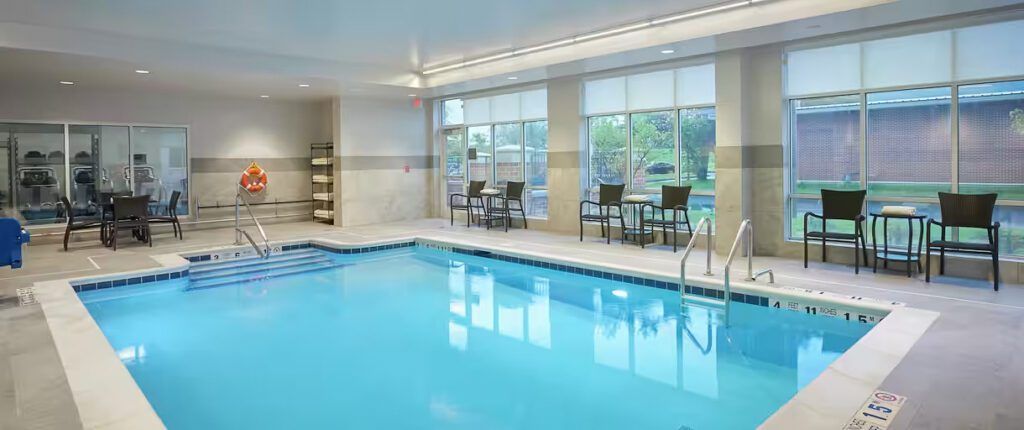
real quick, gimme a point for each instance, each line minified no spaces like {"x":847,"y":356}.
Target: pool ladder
{"x":263,"y":252}
{"x":746,"y":230}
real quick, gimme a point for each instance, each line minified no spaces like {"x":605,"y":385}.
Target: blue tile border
{"x":600,"y":274}
{"x":629,"y":279}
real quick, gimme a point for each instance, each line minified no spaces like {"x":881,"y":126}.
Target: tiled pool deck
{"x":965,"y":372}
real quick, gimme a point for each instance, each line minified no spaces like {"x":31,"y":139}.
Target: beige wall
{"x":224,"y":133}
{"x":385,"y":164}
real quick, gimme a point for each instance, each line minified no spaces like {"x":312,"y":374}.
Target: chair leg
{"x":67,"y":235}
{"x":864,"y":246}
{"x":805,"y":249}
{"x":149,"y":235}
{"x":856,"y":251}
{"x":622,"y":226}
{"x":995,"y":269}
{"x":581,"y":226}
{"x":451,"y":213}
{"x":942,"y":260}
{"x":928,"y":262}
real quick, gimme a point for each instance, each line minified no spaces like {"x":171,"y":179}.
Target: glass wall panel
{"x":99,"y":163}
{"x":508,"y":160}
{"x":607,"y":135}
{"x":451,"y":112}
{"x":823,"y":70}
{"x":697,"y":149}
{"x":825,"y":143}
{"x":35,"y":154}
{"x":536,"y":139}
{"x":160,"y":161}
{"x":908,"y":143}
{"x":653,"y":158}
{"x":650,"y":90}
{"x":695,"y":85}
{"x":908,"y":60}
{"x":480,"y":142}
{"x":604,"y":95}
{"x":455,"y":161}
{"x":990,"y":51}
{"x":992,"y":139}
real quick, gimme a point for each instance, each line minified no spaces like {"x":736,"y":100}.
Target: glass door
{"x":98,"y":162}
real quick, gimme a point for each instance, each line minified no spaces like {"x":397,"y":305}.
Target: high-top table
{"x":909,"y":256}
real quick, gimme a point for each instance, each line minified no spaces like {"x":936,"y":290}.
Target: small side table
{"x":909,"y":256}
{"x":635,"y":230}
{"x":488,"y":217}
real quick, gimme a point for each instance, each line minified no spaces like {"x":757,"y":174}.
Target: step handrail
{"x":239,"y":232}
{"x":746,"y":230}
{"x":704,"y":222}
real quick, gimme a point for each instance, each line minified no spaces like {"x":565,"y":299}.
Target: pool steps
{"x":218,"y":273}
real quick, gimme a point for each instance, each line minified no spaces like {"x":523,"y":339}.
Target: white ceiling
{"x":246,"y":48}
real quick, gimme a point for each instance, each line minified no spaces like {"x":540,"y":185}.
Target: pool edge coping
{"x":86,"y":353}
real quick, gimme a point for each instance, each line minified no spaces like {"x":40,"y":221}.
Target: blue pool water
{"x":421,"y":339}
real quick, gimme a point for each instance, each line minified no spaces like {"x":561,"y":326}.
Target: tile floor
{"x":966,"y":372}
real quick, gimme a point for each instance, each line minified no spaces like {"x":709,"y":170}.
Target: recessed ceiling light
{"x":412,"y":95}
{"x":264,"y":96}
{"x":142,"y":72}
{"x":303,"y":85}
{"x":67,"y":83}
{"x":512,"y":78}
{"x":668,"y":51}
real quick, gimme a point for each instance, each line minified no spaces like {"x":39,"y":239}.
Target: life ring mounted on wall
{"x":254,"y":178}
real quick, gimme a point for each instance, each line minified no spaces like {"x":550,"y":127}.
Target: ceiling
{"x":247,"y":48}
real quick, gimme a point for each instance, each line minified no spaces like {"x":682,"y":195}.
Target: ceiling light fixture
{"x":303,"y":85}
{"x":67,"y":83}
{"x":412,"y":95}
{"x":264,"y":96}
{"x":142,"y":72}
{"x":597,"y":35}
{"x":668,"y":51}
{"x":512,"y":78}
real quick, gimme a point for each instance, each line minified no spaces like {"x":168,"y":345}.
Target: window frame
{"x":789,"y":147}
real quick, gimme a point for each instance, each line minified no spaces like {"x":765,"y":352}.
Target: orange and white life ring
{"x":254,"y":178}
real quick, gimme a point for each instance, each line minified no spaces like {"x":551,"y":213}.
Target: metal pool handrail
{"x":263,"y":252}
{"x":745,"y":228}
{"x":704,"y":222}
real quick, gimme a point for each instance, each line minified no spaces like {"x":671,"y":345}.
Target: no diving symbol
{"x":885,"y":397}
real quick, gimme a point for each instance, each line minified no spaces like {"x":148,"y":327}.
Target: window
{"x":536,"y":154}
{"x":45,"y":165}
{"x":505,"y":139}
{"x":908,"y":143}
{"x":653,"y":129}
{"x":904,"y":146}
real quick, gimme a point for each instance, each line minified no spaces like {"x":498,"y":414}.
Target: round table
{"x":635,"y":230}
{"x":909,"y":256}
{"x":489,"y":194}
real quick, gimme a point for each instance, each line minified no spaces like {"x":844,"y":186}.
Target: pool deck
{"x":966,"y":371}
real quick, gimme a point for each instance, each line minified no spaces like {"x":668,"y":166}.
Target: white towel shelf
{"x":322,"y":156}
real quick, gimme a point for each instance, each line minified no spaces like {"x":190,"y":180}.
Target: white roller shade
{"x":650,"y":90}
{"x":908,"y":60}
{"x":823,"y":70}
{"x":505,"y":108}
{"x":534,"y":104}
{"x":604,"y":95}
{"x":477,"y":111}
{"x":695,"y":85}
{"x":990,"y":51}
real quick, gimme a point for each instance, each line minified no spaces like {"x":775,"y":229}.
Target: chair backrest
{"x":475,"y":187}
{"x":967,"y":210}
{"x":68,"y":210}
{"x":611,"y":193}
{"x":837,"y":204}
{"x":131,"y":207}
{"x":672,"y":196}
{"x":172,"y":207}
{"x":514,"y":190}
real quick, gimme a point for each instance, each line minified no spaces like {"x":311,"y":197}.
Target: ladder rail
{"x":746,"y":230}
{"x":704,"y":222}
{"x":239,"y":232}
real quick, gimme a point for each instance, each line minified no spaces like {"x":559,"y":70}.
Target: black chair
{"x":672,"y":199}
{"x":466,"y":203}
{"x":513,"y":193}
{"x":845,"y":206}
{"x":74,"y":225}
{"x":965,"y":211}
{"x":131,"y":213}
{"x":610,"y":196}
{"x":171,"y":217}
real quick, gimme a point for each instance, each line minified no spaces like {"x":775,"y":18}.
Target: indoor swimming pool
{"x":423,"y":338}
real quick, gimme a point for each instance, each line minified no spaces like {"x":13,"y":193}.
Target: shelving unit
{"x":322,"y":162}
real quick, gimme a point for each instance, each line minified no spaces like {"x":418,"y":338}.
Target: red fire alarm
{"x":406,"y":168}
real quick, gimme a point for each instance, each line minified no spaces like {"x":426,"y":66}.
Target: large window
{"x":653,"y":129}
{"x":39,"y":165}
{"x":498,"y":139}
{"x":915,"y":115}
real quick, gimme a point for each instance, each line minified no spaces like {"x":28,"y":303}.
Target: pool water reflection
{"x":420,"y":338}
